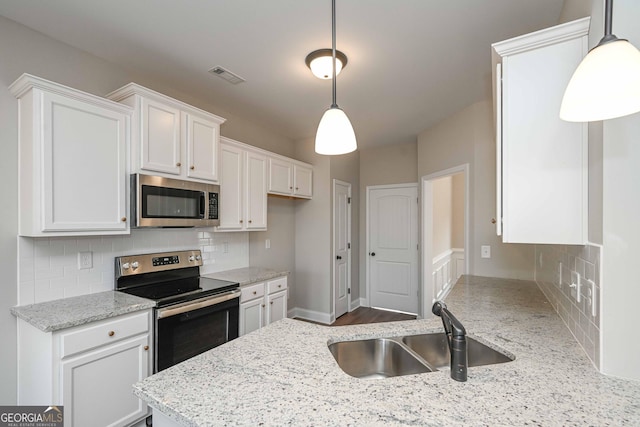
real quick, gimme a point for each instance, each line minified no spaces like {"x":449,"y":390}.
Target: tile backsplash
{"x":48,"y":267}
{"x":557,"y":270}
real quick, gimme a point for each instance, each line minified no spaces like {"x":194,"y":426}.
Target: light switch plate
{"x":485,"y":251}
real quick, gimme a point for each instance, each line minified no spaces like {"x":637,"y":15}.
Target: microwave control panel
{"x":213,"y":206}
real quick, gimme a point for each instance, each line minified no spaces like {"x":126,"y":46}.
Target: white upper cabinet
{"x":542,"y":160}
{"x":72,"y":161}
{"x":289,"y":177}
{"x":171,"y":138}
{"x":243,"y":188}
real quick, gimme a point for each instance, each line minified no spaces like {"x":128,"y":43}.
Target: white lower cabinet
{"x":262,"y":303}
{"x":88,"y":369}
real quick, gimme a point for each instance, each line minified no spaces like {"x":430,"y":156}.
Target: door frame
{"x":426,"y":204}
{"x":333,"y":248}
{"x":367,"y":301}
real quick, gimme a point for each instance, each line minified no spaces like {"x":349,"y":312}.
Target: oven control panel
{"x":148,"y":263}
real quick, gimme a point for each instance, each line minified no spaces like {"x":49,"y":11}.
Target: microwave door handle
{"x":203,"y":206}
{"x":194,"y":305}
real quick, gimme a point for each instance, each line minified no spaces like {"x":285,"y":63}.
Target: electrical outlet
{"x":85,"y":260}
{"x":225,"y":247}
{"x":267,"y":244}
{"x":485,"y":251}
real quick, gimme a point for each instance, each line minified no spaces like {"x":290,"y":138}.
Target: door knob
{"x":338,"y":257}
{"x":372,"y":253}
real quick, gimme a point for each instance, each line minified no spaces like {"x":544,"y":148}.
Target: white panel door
{"x":393,"y":247}
{"x":341,"y":233}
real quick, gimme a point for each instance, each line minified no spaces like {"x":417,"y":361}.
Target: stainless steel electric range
{"x":193,"y":314}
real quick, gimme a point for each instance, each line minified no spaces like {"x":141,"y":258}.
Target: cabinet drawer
{"x":278,"y":284}
{"x":103,"y":332}
{"x":252,"y":292}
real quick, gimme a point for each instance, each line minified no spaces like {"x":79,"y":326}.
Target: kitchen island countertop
{"x":284,"y":374}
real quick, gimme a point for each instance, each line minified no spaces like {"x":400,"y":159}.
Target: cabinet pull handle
{"x":111,"y":333}
{"x":192,"y":167}
{"x":178,"y":164}
{"x":146,"y":347}
{"x":123,"y":219}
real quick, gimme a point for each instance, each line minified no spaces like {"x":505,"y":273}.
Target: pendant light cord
{"x":333,"y":49}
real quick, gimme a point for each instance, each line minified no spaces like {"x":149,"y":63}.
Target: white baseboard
{"x":359,"y":302}
{"x":314,"y":316}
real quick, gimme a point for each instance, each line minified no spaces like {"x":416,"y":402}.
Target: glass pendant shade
{"x":605,"y":85}
{"x":335,"y":134}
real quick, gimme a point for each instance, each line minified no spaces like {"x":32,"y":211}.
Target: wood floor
{"x":369,"y":315}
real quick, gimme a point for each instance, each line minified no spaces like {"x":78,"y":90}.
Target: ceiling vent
{"x":227,"y":75}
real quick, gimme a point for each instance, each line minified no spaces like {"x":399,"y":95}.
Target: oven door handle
{"x":194,"y":305}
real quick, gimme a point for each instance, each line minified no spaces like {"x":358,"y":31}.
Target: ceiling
{"x":411,"y":63}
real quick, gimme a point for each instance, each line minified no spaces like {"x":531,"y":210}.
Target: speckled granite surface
{"x":66,"y":313}
{"x":248,"y":275}
{"x":284,"y":374}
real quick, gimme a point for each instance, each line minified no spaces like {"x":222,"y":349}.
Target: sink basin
{"x":408,"y":355}
{"x":434,"y":349}
{"x":376,"y":358}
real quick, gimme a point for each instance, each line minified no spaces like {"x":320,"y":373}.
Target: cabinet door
{"x":203,"y":137}
{"x":303,"y":181}
{"x":160,"y":147}
{"x":251,"y":316}
{"x":544,"y":159}
{"x":280,"y":176}
{"x":231,"y":188}
{"x":276,"y":306}
{"x":256,"y":191}
{"x":83,"y":165}
{"x":96,"y":386}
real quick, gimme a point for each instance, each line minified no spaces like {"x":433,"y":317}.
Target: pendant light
{"x":335,"y":134}
{"x":606,"y":84}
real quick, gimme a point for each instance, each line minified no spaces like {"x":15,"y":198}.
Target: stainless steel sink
{"x":408,"y":355}
{"x":376,"y":358}
{"x":434,"y":349}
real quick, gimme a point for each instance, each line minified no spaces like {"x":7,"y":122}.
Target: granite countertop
{"x":248,"y":275}
{"x":68,"y":312}
{"x":284,"y":374}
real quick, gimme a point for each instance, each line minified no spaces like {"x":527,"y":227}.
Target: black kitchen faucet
{"x":457,"y":340}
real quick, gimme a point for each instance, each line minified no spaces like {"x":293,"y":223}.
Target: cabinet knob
{"x":372,"y":253}
{"x":192,"y":167}
{"x":263,"y":305}
{"x":255,"y":293}
{"x":111,"y":333}
{"x":146,"y":347}
{"x":290,"y":188}
{"x":123,"y":219}
{"x":297,"y":188}
{"x":178,"y":164}
{"x":249,"y":221}
{"x":493,"y":221}
{"x":241,"y":221}
{"x":271,"y":303}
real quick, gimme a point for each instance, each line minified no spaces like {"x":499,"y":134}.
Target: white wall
{"x":468,"y":137}
{"x":24,"y":50}
{"x":457,"y":211}
{"x":442,"y":216}
{"x":621,"y":228}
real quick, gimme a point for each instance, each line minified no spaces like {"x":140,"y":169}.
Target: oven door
{"x":188,"y":329}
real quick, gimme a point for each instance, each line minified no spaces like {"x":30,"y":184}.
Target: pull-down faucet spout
{"x":456,"y":339}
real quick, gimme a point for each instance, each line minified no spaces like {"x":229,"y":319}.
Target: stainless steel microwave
{"x":172,"y":203}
